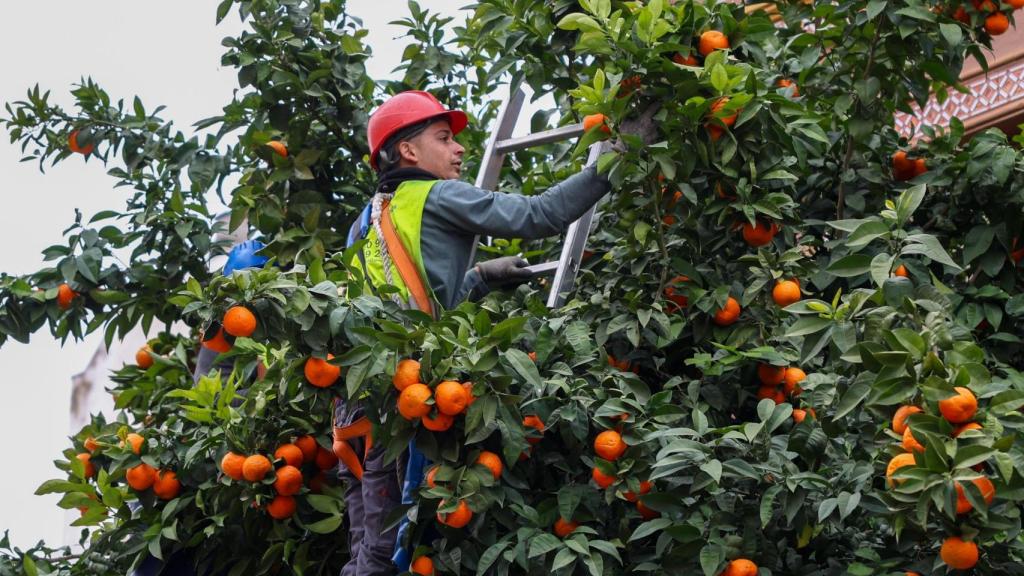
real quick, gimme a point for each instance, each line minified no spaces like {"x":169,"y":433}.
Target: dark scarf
{"x":390,"y":180}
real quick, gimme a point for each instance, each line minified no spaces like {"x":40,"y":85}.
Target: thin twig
{"x":841,"y":193}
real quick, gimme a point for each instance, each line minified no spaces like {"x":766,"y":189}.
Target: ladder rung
{"x":538,"y":138}
{"x":543,"y":268}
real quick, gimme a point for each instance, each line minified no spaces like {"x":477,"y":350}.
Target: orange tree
{"x":793,"y":348}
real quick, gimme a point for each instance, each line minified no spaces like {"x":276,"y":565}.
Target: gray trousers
{"x":368,"y":503}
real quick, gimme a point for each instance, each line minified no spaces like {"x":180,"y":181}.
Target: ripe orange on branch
{"x":899,"y":420}
{"x":601,"y":479}
{"x":412,"y":402}
{"x":144,"y":358}
{"x":988,"y":492}
{"x":136,"y":442}
{"x":231,"y":464}
{"x":959,"y":408}
{"x":592,"y":121}
{"x":729,"y":313}
{"x":457,"y":519}
{"x":320,"y":372}
{"x":958,"y":553}
{"x":89,"y":469}
{"x":406,"y":373}
{"x":239,"y":321}
{"x":760,"y":234}
{"x":288,"y":481}
{"x":492,"y":462}
{"x":438,"y":422}
{"x":65,"y":295}
{"x":786,"y":292}
{"x":217,"y":343}
{"x":771,"y":375}
{"x":140,"y":477}
{"x":564,"y":527}
{"x":281,"y":507}
{"x":278,"y":147}
{"x":997,"y":23}
{"x":898,"y":461}
{"x":256,"y":467}
{"x":308,"y":446}
{"x":609,"y":445}
{"x":451,"y":398}
{"x":535,"y":423}
{"x":423,"y":566}
{"x":291,"y":454}
{"x":740,"y":567}
{"x":166,"y":486}
{"x":911,"y":444}
{"x":74,"y":146}
{"x":791,"y":383}
{"x":712,"y":40}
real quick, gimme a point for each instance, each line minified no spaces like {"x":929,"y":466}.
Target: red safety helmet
{"x":403,"y":110}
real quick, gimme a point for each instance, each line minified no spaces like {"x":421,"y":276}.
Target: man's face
{"x":434,"y":150}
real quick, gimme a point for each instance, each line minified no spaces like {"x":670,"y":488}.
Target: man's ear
{"x":407,"y":151}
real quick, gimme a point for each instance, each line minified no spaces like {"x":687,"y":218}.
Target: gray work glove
{"x":642,"y":126}
{"x":504,"y":272}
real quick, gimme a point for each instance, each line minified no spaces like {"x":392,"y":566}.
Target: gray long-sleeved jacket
{"x":455,"y":212}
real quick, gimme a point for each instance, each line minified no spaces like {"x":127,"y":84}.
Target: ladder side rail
{"x":572,"y":249}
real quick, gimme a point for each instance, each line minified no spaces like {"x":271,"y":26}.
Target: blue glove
{"x":245,"y":256}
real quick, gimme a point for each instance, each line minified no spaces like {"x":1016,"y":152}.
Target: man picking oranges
{"x":420,"y":231}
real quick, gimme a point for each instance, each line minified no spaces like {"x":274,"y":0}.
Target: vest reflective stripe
{"x":406,"y":210}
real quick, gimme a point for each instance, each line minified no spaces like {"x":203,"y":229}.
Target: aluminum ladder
{"x":500,"y":144}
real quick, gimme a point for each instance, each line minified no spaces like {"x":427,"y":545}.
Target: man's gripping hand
{"x":504,"y":272}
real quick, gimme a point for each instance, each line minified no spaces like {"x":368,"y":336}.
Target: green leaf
{"x":490,"y":555}
{"x":650,"y":527}
{"x":866,"y":233}
{"x":327,"y":525}
{"x":854,"y":395}
{"x":543,"y":543}
{"x":908,"y":202}
{"x":929,"y":246}
{"x":711,"y":557}
{"x":807,"y":325}
{"x":579,"y":21}
{"x":852,"y":265}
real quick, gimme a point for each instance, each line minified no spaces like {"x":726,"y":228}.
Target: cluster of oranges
{"x":239,"y":322}
{"x":288,"y":479}
{"x":462,"y":514}
{"x":141,"y":477}
{"x":450,"y":398}
{"x":959,"y":410}
{"x":781,"y":382}
{"x":610,"y":446}
{"x":905,"y":168}
{"x":996,"y":22}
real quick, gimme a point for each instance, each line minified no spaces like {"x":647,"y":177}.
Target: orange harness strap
{"x":406,"y":268}
{"x":360,"y":428}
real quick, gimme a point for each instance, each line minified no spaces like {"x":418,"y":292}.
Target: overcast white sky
{"x":168,"y":53}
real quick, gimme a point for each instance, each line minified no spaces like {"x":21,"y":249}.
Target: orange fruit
{"x":325,"y":459}
{"x":645,"y":487}
{"x":969,"y":426}
{"x":308,"y":446}
{"x":231,"y":464}
{"x":412,"y":402}
{"x":218,"y":343}
{"x":984,"y":5}
{"x":140,"y":477}
{"x":291,"y":453}
{"x":689,"y":60}
{"x":629,"y":85}
{"x":288,"y":481}
{"x":899,"y":420}
{"x":532,"y":355}
{"x":86,"y":459}
{"x":457,"y":519}
{"x":791,"y":384}
{"x":451,"y":398}
{"x":729,"y":314}
{"x":786,"y":83}
{"x":903,"y":168}
{"x":535,"y":423}
{"x":565,"y":527}
{"x":423,"y":566}
{"x":281,"y":507}
{"x":136,"y":441}
{"x":645,"y":512}
{"x":256,"y":467}
{"x":920,"y":166}
{"x":773,"y":392}
{"x":593,"y":120}
{"x":601,"y":479}
{"x":759,"y":235}
{"x":64,"y":296}
{"x":492,"y":462}
{"x":771,"y":375}
{"x":281,"y":150}
{"x":900,"y":270}
{"x":166,"y":485}
{"x":90,"y":444}
{"x":239,"y":321}
{"x":431,"y":475}
{"x":786,"y":292}
{"x":898,"y":461}
{"x":468,"y":386}
{"x":799,"y":414}
{"x":438,"y":423}
{"x":320,"y":372}
{"x":740,"y":567}
{"x":958,"y":553}
{"x":609,"y":445}
{"x":407,"y":372}
{"x":1016,"y":4}
{"x":988,"y":491}
{"x":712,"y":40}
{"x":143,"y":359}
{"x":679,"y":299}
{"x":73,"y":145}
{"x":962,"y":15}
{"x":910,"y":444}
{"x":620,"y":364}
{"x":717,"y":106}
{"x":959,"y":408}
{"x":997,"y":23}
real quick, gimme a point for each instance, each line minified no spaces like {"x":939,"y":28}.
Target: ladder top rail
{"x":539,"y":138}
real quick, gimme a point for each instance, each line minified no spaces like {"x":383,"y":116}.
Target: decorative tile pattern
{"x":987,"y":92}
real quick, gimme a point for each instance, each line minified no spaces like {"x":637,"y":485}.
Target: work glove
{"x":642,"y":126}
{"x":504,"y":272}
